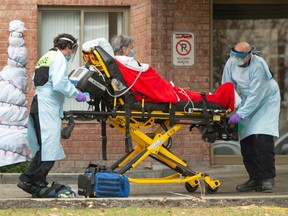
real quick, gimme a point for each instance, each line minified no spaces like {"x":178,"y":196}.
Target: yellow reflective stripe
{"x":46,"y":59}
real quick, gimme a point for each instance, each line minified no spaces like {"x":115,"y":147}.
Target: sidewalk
{"x":229,"y":177}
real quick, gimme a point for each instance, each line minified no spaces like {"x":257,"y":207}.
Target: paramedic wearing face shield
{"x":44,"y":127}
{"x":257,"y":115}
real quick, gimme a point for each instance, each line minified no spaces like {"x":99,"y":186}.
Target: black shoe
{"x":250,"y":185}
{"x":27,"y":187}
{"x":39,"y":191}
{"x":268,"y":185}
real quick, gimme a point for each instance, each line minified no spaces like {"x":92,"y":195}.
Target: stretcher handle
{"x":67,"y":131}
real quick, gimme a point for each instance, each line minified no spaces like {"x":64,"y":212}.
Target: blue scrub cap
{"x":239,"y":54}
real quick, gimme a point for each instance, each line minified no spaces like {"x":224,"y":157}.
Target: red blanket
{"x":157,"y":89}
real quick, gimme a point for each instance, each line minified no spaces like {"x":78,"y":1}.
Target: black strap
{"x":205,"y":113}
{"x":104,"y":139}
{"x":172,"y":114}
{"x":272,"y":74}
{"x":55,"y":186}
{"x":128,"y":140}
{"x":95,"y":168}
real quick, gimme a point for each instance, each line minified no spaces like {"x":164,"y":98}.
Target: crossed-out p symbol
{"x":183,"y":47}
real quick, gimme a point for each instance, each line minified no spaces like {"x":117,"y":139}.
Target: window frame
{"x":125,"y":10}
{"x":122,"y":9}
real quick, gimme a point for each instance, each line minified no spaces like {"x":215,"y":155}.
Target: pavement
{"x":229,"y":176}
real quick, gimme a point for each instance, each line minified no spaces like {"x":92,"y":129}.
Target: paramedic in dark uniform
{"x":257,"y":115}
{"x":44,"y":127}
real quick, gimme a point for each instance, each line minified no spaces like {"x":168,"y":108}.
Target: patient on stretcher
{"x":153,"y":86}
{"x":144,"y":79}
{"x":157,"y":89}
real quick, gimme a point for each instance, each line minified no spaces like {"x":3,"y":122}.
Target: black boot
{"x":250,"y":185}
{"x":39,"y":192}
{"x":27,"y":187}
{"x":268,"y":185}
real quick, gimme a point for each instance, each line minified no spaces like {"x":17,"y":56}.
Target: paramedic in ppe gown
{"x":44,"y":128}
{"x":257,"y":115}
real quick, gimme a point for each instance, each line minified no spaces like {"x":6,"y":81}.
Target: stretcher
{"x":114,"y":105}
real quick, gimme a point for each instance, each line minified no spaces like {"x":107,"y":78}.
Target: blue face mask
{"x":132,"y":53}
{"x":68,"y":58}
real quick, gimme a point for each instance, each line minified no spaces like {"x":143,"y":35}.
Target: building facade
{"x":152,"y":24}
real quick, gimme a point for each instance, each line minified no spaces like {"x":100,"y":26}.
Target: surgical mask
{"x":132,"y":53}
{"x":239,"y":62}
{"x":68,"y":58}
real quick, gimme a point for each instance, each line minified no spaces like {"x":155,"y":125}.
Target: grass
{"x":15,"y":168}
{"x":215,"y":211}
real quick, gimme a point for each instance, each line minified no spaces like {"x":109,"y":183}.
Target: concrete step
{"x":71,"y":178}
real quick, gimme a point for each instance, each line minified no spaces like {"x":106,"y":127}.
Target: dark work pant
{"x":259,"y":156}
{"x":38,"y":169}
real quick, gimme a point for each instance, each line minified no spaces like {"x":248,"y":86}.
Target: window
{"x":84,"y":24}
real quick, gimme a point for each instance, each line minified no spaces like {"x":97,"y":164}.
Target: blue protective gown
{"x":50,"y":106}
{"x":260,"y":105}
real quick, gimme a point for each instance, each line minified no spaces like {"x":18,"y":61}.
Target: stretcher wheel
{"x":211,"y":190}
{"x":190,"y":188}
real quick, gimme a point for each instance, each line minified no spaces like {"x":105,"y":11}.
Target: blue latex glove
{"x":81,"y":97}
{"x":234,"y":119}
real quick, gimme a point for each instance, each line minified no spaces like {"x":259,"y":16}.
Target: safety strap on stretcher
{"x":205,"y":113}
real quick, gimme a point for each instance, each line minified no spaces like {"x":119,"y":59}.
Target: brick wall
{"x":152,"y":23}
{"x":152,"y":26}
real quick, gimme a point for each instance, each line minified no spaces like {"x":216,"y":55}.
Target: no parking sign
{"x":183,"y":49}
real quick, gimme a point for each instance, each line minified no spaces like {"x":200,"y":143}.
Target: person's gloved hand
{"x":234,"y":119}
{"x":81,"y":97}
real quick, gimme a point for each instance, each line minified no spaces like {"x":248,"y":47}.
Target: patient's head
{"x":123,"y":45}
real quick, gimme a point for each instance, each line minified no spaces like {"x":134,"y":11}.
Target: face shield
{"x":74,"y":48}
{"x":239,"y":57}
{"x":74,"y":51}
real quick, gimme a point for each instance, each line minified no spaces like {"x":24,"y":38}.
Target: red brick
{"x":151,"y":25}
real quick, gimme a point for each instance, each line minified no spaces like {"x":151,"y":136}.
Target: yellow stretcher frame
{"x":151,"y":144}
{"x":147,"y":146}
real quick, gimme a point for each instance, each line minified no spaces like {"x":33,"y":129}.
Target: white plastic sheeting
{"x":10,"y":94}
{"x":14,"y":146}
